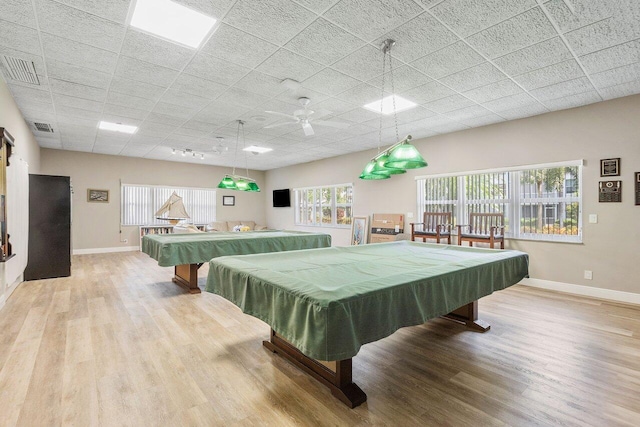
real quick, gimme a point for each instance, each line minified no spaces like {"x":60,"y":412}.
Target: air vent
{"x":20,"y":70}
{"x":43,"y":127}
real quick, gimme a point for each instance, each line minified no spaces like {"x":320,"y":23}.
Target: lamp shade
{"x":228,"y":183}
{"x":405,"y":156}
{"x":254,"y":187}
{"x":367,"y":173}
{"x":242,"y":185}
{"x":380,"y":168}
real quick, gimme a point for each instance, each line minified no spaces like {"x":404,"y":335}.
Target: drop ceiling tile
{"x":130,"y":112}
{"x":414,"y":114}
{"x":34,"y":108}
{"x":70,"y":101}
{"x":451,"y":59}
{"x":613,"y":57}
{"x":36,"y":59}
{"x":73,"y":147}
{"x":184,"y":99}
{"x":573,"y":101}
{"x":240,"y":97}
{"x":563,"y":89}
{"x":273,"y":20}
{"x":493,"y":91}
{"x":202,"y":126}
{"x":145,"y":72}
{"x":361,"y":94}
{"x":197,"y":86}
{"x":18,"y":12}
{"x":531,"y":58}
{"x":37,"y":116}
{"x":586,"y":13}
{"x":219,"y":111}
{"x":130,"y":101}
{"x":450,"y":103}
{"x":404,"y":78}
{"x":467,"y":113}
{"x":287,"y":65}
{"x":114,"y":10}
{"x":520,"y":31}
{"x":77,"y":112}
{"x":108,"y":149}
{"x":359,"y":115}
{"x":154,"y":50}
{"x":483,"y":120}
{"x":192,"y":134}
{"x":510,"y":102}
{"x":522,"y":112}
{"x":467,"y":17}
{"x":55,"y":145}
{"x":617,"y":76}
{"x":334,"y":105}
{"x":427,"y":93}
{"x":418,"y":37}
{"x":77,"y":122}
{"x":448,"y":128}
{"x":234,"y":45}
{"x":134,"y":88}
{"x":602,"y":35}
{"x":72,"y":52}
{"x":260,"y":83}
{"x":215,"y":69}
{"x":165,"y":119}
{"x":136,"y":150}
{"x":324,"y":42}
{"x":363,"y":64}
{"x":292,"y":97}
{"x":87,"y":28}
{"x":107,"y":137}
{"x":213,"y":8}
{"x":556,"y":73}
{"x":619,"y":91}
{"x":137,"y":139}
{"x":75,"y":74}
{"x":30,"y":94}
{"x":370,"y":19}
{"x":330,"y":82}
{"x":474,"y":77}
{"x":159,"y":130}
{"x":176,"y":111}
{"x":20,"y":38}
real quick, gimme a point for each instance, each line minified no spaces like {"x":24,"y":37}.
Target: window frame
{"x":513,"y":212}
{"x":302,"y":204}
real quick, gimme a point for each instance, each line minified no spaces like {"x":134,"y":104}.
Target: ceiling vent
{"x":43,"y":127}
{"x":20,"y":70}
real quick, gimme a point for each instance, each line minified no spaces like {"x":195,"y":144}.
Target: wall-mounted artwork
{"x":228,"y":200}
{"x":359,"y":230}
{"x":610,"y":167}
{"x":101,"y":196}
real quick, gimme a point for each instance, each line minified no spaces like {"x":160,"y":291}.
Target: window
{"x":328,"y":206}
{"x":544,"y":201}
{"x":139,"y":203}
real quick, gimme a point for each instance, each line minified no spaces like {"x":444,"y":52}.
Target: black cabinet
{"x":49,"y":227}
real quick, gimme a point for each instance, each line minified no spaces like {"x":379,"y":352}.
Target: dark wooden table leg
{"x":335,"y":375}
{"x":468,"y":314}
{"x":186,"y":276}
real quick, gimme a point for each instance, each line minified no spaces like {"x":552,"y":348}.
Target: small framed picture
{"x":228,"y":200}
{"x":101,"y":196}
{"x":359,"y":230}
{"x":610,"y":167}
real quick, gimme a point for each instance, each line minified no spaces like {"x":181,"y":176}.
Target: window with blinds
{"x":538,"y":202}
{"x":139,"y":203}
{"x":328,"y":206}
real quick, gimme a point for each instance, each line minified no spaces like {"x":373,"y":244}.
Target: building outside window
{"x":325,"y":206}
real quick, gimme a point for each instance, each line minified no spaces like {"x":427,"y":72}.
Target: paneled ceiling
{"x":466,"y":63}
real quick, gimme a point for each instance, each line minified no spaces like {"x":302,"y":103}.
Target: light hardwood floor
{"x":119,"y":344}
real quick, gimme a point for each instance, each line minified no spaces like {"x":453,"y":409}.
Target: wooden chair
{"x":484,"y":228}
{"x":435,"y":225}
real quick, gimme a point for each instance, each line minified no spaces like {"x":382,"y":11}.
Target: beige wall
{"x":97,"y":225}
{"x":603,"y":130}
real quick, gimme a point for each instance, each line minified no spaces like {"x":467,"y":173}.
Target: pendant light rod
{"x":406,"y":140}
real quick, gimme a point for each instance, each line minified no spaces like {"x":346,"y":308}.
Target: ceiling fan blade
{"x":308,"y":130}
{"x":275,"y":125}
{"x":337,"y":125}
{"x":277,"y":113}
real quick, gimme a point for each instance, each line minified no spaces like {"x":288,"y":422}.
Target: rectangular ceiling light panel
{"x":172,"y":21}
{"x":117,"y":127}
{"x":257,"y":150}
{"x":387,"y":105}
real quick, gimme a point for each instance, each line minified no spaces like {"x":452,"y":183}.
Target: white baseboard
{"x":588,"y":291}
{"x":105,"y":250}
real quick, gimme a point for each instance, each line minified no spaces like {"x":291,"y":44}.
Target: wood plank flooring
{"x":119,"y":344}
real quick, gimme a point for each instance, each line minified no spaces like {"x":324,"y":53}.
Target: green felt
{"x":329,"y":302}
{"x":195,"y":248}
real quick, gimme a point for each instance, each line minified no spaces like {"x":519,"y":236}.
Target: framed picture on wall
{"x":228,"y":200}
{"x":101,"y":196}
{"x":610,"y":167}
{"x":359,"y":230}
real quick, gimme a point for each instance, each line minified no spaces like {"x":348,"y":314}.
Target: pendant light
{"x":402,"y":155}
{"x":239,"y":182}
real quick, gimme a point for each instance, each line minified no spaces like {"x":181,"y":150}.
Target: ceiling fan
{"x":303,"y":117}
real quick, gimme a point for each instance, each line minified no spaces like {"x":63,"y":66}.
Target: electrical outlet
{"x":593,"y":218}
{"x":588,"y":274}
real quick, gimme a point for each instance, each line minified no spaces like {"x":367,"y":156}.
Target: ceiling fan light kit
{"x":239,"y":182}
{"x":400,"y":156}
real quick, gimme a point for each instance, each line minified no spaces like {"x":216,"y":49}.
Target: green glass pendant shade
{"x":254,"y":187}
{"x":228,"y":183}
{"x":380,"y":168}
{"x":405,"y":156}
{"x":367,"y":173}
{"x":242,"y":185}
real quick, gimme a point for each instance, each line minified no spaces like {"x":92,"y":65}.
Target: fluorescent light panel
{"x":117,"y":127}
{"x":172,"y":21}
{"x":256,"y":149}
{"x":387,"y":105}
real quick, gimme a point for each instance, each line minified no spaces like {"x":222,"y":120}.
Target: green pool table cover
{"x":329,"y":302}
{"x":195,"y":248}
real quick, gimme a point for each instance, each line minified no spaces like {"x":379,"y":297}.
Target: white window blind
{"x":326,"y":206}
{"x":139,"y":203}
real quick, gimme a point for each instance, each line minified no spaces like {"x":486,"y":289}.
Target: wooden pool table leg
{"x":339,"y":381}
{"x":186,"y":276}
{"x":468,"y":314}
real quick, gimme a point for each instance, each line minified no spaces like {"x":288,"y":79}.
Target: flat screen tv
{"x":281,"y":198}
